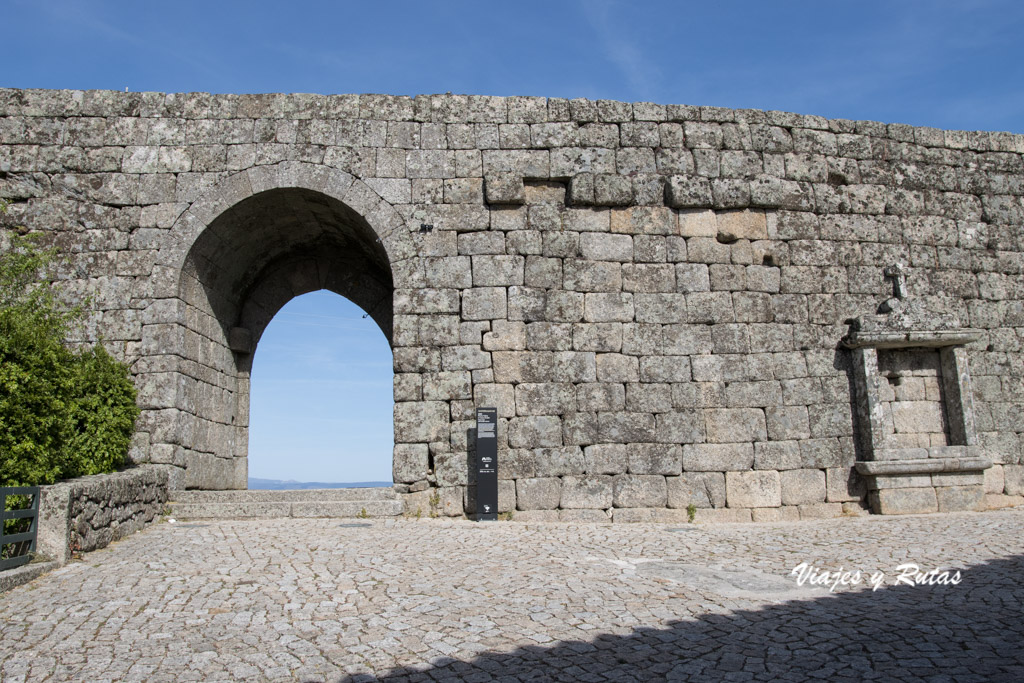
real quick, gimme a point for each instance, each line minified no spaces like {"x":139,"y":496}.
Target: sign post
{"x":487,"y":464}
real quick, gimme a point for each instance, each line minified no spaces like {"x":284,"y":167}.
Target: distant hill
{"x":279,"y":485}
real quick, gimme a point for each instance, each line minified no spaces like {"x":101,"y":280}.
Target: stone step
{"x":242,"y":504}
{"x":264,"y":510}
{"x":287,"y":496}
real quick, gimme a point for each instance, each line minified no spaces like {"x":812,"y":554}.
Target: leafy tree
{"x":62,"y":413}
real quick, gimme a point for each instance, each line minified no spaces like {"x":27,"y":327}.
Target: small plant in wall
{"x":363,"y":514}
{"x":435,"y":503}
{"x":691,"y":513}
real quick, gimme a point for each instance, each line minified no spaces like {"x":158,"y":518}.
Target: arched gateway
{"x":236,"y":256}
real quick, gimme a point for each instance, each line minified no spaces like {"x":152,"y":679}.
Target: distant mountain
{"x":279,"y":485}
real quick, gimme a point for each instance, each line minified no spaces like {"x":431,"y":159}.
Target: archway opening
{"x":247,"y":264}
{"x":321,"y":398}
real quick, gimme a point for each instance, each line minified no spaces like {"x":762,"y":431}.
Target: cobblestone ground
{"x":316,"y":600}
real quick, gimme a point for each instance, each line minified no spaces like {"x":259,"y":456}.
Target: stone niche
{"x":914,"y":416}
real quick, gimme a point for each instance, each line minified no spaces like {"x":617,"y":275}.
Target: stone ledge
{"x":11,"y":578}
{"x":932,"y":452}
{"x":922,"y":466}
{"x":885,"y":339}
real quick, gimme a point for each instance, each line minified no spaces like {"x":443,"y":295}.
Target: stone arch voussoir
{"x":385,"y":221}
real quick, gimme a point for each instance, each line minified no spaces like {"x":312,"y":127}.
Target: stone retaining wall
{"x":89,"y":513}
{"x":653,"y":296}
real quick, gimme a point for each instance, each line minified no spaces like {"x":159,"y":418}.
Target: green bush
{"x":102,"y":414}
{"x":62,"y":413}
{"x":35,"y":388}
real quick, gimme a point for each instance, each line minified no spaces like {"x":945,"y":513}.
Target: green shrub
{"x":35,"y":381}
{"x":62,"y":414}
{"x":102,"y":414}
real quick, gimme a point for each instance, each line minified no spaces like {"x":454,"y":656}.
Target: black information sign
{"x":487,"y":464}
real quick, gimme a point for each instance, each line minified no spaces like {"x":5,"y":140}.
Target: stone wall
{"x":652,"y":296}
{"x":89,"y":513}
{"x":913,"y":400}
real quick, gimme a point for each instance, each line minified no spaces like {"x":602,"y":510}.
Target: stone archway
{"x":240,"y":253}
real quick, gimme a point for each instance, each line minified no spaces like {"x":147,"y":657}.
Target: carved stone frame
{"x":914,"y":480}
{"x":956,"y":392}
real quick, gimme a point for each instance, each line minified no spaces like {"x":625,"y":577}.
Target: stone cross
{"x":899,"y":280}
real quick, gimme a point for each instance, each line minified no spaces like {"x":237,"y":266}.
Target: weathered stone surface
{"x":800,"y":487}
{"x":843,"y":485}
{"x":700,"y":489}
{"x":639,"y":491}
{"x":722,"y":515}
{"x":500,"y":396}
{"x":558,"y":461}
{"x":546,"y":398}
{"x":1013,"y":476}
{"x":627,"y":427}
{"x":747,"y":224}
{"x":505,"y":188}
{"x":410,"y":462}
{"x":682,"y":425}
{"x":607,"y":458}
{"x":593,"y":492}
{"x":541,"y":430}
{"x":904,"y":501}
{"x":447,"y":386}
{"x":600,"y":397}
{"x":733,"y":425}
{"x":787,"y":513}
{"x":683,"y":192}
{"x":588,"y":516}
{"x":424,"y":421}
{"x":698,"y":223}
{"x":655,"y":458}
{"x":604,"y":247}
{"x":820,"y":510}
{"x":538,"y":494}
{"x":787,"y":422}
{"x":648,"y":516}
{"x":917,"y":417}
{"x":959,"y":498}
{"x":994,"y":481}
{"x":485,"y":303}
{"x":717,"y":457}
{"x":753,"y":489}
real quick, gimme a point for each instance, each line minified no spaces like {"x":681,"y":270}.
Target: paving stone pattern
{"x":315,"y":600}
{"x":653,"y":296}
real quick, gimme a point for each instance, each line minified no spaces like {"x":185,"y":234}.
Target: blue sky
{"x":321,"y":395}
{"x":951,"y":64}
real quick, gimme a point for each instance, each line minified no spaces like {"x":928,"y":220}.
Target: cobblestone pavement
{"x":323,"y":600}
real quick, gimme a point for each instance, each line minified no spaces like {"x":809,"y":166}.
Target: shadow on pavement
{"x":973,"y":631}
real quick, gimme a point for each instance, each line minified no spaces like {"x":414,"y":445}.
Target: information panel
{"x":487,"y":464}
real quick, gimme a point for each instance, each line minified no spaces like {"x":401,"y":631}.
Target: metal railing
{"x":18,"y":526}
